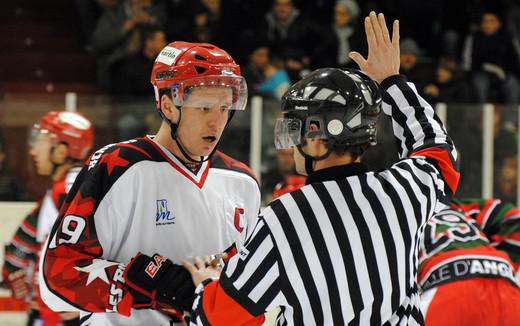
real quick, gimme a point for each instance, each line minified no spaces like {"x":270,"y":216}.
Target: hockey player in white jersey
{"x":171,"y":194}
{"x":59,"y":143}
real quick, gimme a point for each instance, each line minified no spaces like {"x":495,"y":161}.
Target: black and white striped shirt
{"x":343,"y":249}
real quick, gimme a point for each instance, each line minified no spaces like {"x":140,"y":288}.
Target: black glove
{"x":157,"y":283}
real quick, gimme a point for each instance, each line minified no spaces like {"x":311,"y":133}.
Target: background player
{"x":467,"y":261}
{"x":59,"y":144}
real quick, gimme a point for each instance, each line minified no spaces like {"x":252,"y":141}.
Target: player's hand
{"x":16,"y":281}
{"x":383,"y":52}
{"x":202,"y":269}
{"x":156,"y":282}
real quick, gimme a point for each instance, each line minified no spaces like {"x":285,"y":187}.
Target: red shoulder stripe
{"x":442,"y":157}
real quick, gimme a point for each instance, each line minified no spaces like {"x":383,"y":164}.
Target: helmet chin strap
{"x":309,"y":159}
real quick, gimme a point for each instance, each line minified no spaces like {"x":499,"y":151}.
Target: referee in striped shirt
{"x":342,"y":249}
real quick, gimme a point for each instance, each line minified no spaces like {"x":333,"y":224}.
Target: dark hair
{"x":148,"y":33}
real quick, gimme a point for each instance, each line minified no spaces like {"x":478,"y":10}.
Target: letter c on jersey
{"x":238,"y":213}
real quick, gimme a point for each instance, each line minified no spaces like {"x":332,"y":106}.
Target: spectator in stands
{"x":297,"y":64}
{"x":253,"y":71}
{"x":286,"y":30}
{"x":346,"y":34}
{"x":505,"y":141}
{"x":131,"y":76}
{"x":207,"y":25}
{"x":11,"y":188}
{"x":454,"y":26}
{"x":418,"y":73}
{"x":88,"y":13}
{"x":448,"y":86}
{"x":466,"y":130}
{"x":493,"y":60}
{"x":506,"y":179}
{"x":513,"y":18}
{"x":276,"y":79}
{"x":118,"y":33}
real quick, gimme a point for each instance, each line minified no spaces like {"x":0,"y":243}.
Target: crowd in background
{"x":455,"y":51}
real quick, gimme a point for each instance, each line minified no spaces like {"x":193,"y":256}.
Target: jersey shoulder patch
{"x":223,"y":161}
{"x":123,"y":155}
{"x":109,"y":163}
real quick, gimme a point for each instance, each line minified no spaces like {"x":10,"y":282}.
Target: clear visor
{"x":287,"y":133}
{"x":39,"y":137}
{"x":211,"y":91}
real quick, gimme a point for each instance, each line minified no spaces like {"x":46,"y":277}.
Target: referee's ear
{"x":319,"y":145}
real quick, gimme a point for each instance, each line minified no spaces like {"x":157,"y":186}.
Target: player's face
{"x":204,"y":117}
{"x":41,"y":154}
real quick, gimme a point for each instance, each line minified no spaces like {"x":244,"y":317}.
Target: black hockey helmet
{"x":343,"y":103}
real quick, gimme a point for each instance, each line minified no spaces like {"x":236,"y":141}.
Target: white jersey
{"x":137,"y":197}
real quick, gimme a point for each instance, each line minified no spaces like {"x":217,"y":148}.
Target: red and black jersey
{"x":473,"y":238}
{"x":135,"y":197}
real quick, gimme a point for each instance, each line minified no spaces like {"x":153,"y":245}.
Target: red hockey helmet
{"x":182,"y":65}
{"x":68,"y":127}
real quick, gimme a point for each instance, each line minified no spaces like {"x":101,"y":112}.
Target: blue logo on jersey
{"x":162,"y":214}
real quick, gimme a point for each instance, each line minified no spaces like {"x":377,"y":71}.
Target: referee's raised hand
{"x":383,"y":50}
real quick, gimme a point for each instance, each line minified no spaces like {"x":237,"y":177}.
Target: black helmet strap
{"x":309,"y":159}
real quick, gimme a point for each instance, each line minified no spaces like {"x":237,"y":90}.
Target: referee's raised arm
{"x":414,"y":121}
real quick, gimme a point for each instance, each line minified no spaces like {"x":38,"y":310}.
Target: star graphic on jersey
{"x":112,"y":160}
{"x":96,"y":270}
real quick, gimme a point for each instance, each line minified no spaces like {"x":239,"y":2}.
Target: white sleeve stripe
{"x":232,"y":264}
{"x":417,"y":117}
{"x":256,"y":258}
{"x":261,"y":287}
